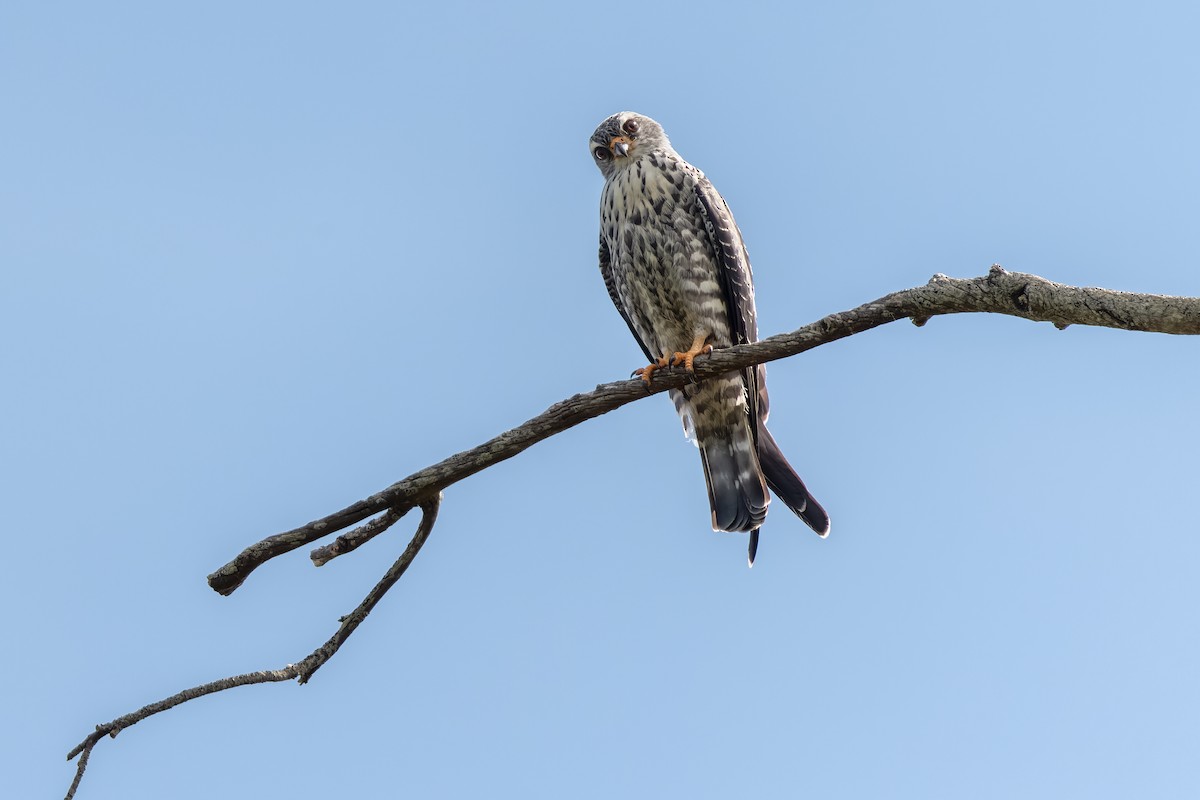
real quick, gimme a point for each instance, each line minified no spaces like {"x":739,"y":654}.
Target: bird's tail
{"x":737,"y":491}
{"x":786,"y":484}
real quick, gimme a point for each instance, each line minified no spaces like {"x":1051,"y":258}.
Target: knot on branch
{"x":1020,"y":298}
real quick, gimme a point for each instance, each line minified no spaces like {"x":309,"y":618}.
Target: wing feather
{"x":737,"y":284}
{"x":606,"y":271}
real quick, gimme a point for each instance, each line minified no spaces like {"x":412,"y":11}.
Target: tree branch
{"x":998,"y":292}
{"x":349,"y":542}
{"x":300,"y":672}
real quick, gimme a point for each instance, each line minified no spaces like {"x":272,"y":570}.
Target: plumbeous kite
{"x":675,"y":266}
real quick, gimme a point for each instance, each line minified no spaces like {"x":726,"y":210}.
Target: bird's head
{"x":622,"y":139}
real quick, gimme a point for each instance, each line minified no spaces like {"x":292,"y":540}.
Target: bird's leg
{"x":699,"y":347}
{"x":647,"y":372}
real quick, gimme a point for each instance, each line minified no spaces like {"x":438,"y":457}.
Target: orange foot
{"x":698,"y":348}
{"x":647,"y":372}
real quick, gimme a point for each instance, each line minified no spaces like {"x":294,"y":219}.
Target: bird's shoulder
{"x":691,"y":182}
{"x":675,"y":167}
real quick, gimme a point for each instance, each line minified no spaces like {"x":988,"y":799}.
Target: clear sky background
{"x":259,"y":261}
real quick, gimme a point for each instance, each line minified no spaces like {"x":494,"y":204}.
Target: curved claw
{"x":647,"y":372}
{"x":687,"y":359}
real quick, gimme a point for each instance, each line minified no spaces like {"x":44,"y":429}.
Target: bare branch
{"x":84,"y":748}
{"x":300,"y":672}
{"x":998,"y":292}
{"x":314,"y":662}
{"x":349,"y":542}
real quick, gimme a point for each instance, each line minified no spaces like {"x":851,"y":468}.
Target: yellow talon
{"x":647,"y":372}
{"x":699,"y":347}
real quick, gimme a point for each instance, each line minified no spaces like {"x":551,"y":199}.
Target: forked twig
{"x":351,"y":541}
{"x":300,"y":672}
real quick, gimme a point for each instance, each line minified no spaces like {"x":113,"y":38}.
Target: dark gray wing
{"x":606,"y":271}
{"x":737,"y":284}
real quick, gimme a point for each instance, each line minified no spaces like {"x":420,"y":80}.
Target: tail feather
{"x":787,"y":486}
{"x":736,"y":489}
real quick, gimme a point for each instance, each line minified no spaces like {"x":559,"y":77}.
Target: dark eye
{"x":602,"y":153}
{"x":630,"y":126}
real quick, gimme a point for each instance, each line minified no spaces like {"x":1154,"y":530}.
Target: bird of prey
{"x":675,"y":266}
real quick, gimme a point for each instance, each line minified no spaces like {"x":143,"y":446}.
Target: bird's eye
{"x":630,"y":126}
{"x":602,"y":153}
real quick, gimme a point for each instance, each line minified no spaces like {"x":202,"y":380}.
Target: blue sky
{"x":261,"y":261}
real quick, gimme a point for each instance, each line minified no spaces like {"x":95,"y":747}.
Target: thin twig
{"x":352,"y":620}
{"x":111,"y":729}
{"x":85,"y":752}
{"x":352,"y":540}
{"x":300,"y":672}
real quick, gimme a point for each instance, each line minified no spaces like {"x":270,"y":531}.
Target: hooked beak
{"x":620,"y":146}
